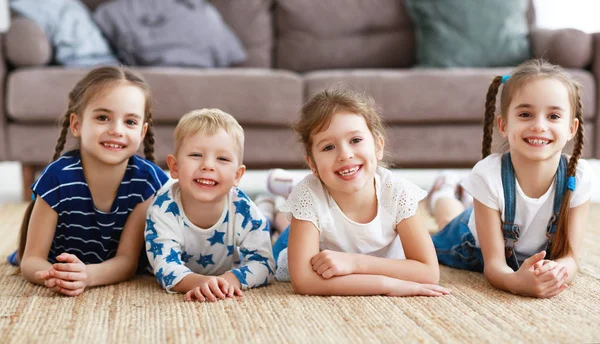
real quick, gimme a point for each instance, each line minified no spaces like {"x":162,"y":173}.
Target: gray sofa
{"x":295,"y":48}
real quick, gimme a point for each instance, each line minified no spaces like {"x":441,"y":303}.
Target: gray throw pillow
{"x":470,"y":33}
{"x":169,"y":33}
{"x":76,"y":39}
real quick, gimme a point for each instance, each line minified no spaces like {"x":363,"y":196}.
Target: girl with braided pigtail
{"x":85,"y":225}
{"x":530,"y":204}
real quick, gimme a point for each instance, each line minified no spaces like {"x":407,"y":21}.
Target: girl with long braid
{"x":531,"y":203}
{"x":85,"y":226}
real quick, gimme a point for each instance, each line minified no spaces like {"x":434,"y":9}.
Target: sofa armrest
{"x":26,"y":44}
{"x":569,"y":48}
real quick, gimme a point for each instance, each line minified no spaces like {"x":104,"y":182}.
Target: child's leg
{"x":443,"y":202}
{"x":455,"y":245}
{"x":281,"y":182}
{"x":13,"y":259}
{"x":282,"y":272}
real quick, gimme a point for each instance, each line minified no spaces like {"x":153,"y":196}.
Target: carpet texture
{"x":138,"y":311}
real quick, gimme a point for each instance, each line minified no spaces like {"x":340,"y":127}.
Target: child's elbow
{"x":302,"y":286}
{"x":433,"y":275}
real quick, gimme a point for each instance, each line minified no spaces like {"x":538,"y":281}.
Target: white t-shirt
{"x":398,"y":199}
{"x":532,"y":215}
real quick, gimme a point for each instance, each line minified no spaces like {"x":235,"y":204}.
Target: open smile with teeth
{"x":349,"y":171}
{"x":208,"y":182}
{"x":112,"y":145}
{"x":538,"y":141}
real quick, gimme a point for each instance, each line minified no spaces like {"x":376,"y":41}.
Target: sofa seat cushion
{"x":252,"y":96}
{"x":422,"y":95}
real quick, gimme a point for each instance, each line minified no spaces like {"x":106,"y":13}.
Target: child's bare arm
{"x":304,"y":245}
{"x":125,"y":262}
{"x":420,"y":265}
{"x":523,"y":281}
{"x":40,"y":234}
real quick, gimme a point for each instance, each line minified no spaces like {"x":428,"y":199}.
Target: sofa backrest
{"x":317,"y":34}
{"x":307,"y":35}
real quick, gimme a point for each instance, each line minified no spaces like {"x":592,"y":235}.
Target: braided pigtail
{"x":561,"y":245}
{"x":490,"y":114}
{"x":149,"y":138}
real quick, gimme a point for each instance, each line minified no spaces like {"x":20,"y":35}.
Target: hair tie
{"x":505,"y":78}
{"x":571,"y":183}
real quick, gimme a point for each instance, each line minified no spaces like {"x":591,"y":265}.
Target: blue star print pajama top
{"x":239,"y":242}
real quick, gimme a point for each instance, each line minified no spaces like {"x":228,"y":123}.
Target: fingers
{"x":70,"y":292}
{"x":70,"y":276}
{"x":437,"y":288}
{"x":50,"y":283}
{"x":43,"y":274}
{"x":316,"y":258}
{"x":76,"y":267}
{"x":195,"y":294}
{"x":70,"y":285}
{"x":546,"y":266}
{"x":529,"y":262}
{"x":330,"y":272}
{"x":68,"y":258}
{"x":556,"y":291}
{"x":215,"y":289}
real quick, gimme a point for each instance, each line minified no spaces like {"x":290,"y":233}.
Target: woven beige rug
{"x":138,"y":311}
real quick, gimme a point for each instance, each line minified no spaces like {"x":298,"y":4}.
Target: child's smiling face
{"x":112,"y":126}
{"x":345,"y":155}
{"x":207,"y":166}
{"x":539,"y":121}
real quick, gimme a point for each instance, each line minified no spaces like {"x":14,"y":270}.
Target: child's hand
{"x":49,"y":281}
{"x":542,"y":278}
{"x":70,"y":274}
{"x":332,"y":263}
{"x":407,"y":288}
{"x":211,"y":288}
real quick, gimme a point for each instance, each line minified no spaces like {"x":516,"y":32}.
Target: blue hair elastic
{"x":505,"y":78}
{"x":571,"y":183}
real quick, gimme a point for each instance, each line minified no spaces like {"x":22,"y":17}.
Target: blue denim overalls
{"x":455,"y":245}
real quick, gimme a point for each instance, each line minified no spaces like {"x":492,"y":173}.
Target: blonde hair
{"x":521,"y":76}
{"x":209,"y":121}
{"x":317,"y":112}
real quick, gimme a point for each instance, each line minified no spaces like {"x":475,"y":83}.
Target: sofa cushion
{"x":433,"y":95}
{"x":251,"y":21}
{"x":470,"y":33}
{"x":74,"y":35}
{"x":569,"y":48}
{"x":27,"y":44}
{"x":328,"y":34}
{"x":169,"y":33}
{"x":253,"y":96}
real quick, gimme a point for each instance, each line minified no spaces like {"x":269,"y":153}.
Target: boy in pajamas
{"x":204,"y":236}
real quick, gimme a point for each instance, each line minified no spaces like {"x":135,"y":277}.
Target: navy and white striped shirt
{"x":90,"y":234}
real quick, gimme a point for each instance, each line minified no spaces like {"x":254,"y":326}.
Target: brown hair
{"x":96,"y":81}
{"x":209,"y":121}
{"x":317,"y":112}
{"x":523,"y":74}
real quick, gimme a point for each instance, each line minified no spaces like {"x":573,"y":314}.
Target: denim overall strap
{"x":559,"y":192}
{"x":510,"y":230}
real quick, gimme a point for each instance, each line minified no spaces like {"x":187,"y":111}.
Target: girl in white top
{"x":354,"y":228}
{"x":530,"y":204}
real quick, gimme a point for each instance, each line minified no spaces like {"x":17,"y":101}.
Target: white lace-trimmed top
{"x":398,"y":199}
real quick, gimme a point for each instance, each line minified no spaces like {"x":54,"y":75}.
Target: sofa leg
{"x":28,"y":172}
